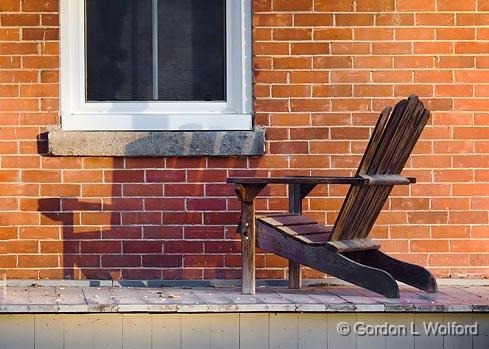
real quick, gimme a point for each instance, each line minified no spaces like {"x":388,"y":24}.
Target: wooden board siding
{"x":227,"y":331}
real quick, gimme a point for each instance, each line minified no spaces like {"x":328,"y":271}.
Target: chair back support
{"x":388,"y":150}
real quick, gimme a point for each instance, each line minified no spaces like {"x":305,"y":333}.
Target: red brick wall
{"x":323,"y":70}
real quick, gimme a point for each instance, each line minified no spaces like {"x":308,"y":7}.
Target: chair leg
{"x":408,"y":273}
{"x":370,"y":278}
{"x":295,"y":275}
{"x":248,"y":264}
{"x":327,"y":261}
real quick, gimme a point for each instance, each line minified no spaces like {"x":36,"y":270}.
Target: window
{"x":156,"y":65}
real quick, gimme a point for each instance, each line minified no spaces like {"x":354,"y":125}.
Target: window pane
{"x":191,"y":50}
{"x":119,"y":50}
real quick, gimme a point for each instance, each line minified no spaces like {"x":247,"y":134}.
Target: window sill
{"x":156,"y":143}
{"x":102,"y":120}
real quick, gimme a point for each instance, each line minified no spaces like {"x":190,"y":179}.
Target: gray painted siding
{"x":227,"y":330}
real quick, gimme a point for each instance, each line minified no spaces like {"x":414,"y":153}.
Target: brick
{"x":41,"y":176}
{"x":292,"y":63}
{"x":394,"y":19}
{"x":374,"y":34}
{"x":9,"y":5}
{"x":448,"y":259}
{"x":350,"y":104}
{"x":24,"y":48}
{"x":436,"y":19}
{"x":419,"y":62}
{"x":350,"y":48}
{"x":9,"y":34}
{"x":333,"y":34}
{"x":309,"y":105}
{"x":354,"y":19}
{"x":101,"y":190}
{"x":375,"y":5}
{"x":289,"y":148}
{"x":450,"y":91}
{"x":226,"y":247}
{"x":291,"y":91}
{"x":21,"y":246}
{"x":309,"y":161}
{"x":84,"y":176}
{"x":429,"y":245}
{"x":178,"y":218}
{"x":372,"y":91}
{"x":162,"y":261}
{"x":272,"y":20}
{"x":183,"y":247}
{"x":164,"y":203}
{"x":452,"y":147}
{"x":39,"y":5}
{"x":140,"y":246}
{"x":308,"y":19}
{"x":125,"y":260}
{"x":297,"y":5}
{"x":142,"y":190}
{"x":50,"y":19}
{"x":357,"y":76}
{"x":411,"y":34}
{"x":228,"y":218}
{"x":408,"y":89}
{"x":385,"y":48}
{"x":29,"y":261}
{"x":362,"y":62}
{"x":100,"y":218}
{"x":416,"y":5}
{"x":453,"y":176}
{"x":392,"y":76}
{"x":455,"y":62}
{"x":332,"y":6}
{"x":262,"y":5}
{"x":44,"y":34}
{"x":128,"y":176}
{"x":333,"y":91}
{"x":9,"y":63}
{"x":295,"y":34}
{"x":309,"y":77}
{"x":472,"y":19}
{"x":141,"y":218}
{"x":429,"y":217}
{"x":455,"y":34}
{"x":469,"y":245}
{"x":101,"y":247}
{"x":309,"y":48}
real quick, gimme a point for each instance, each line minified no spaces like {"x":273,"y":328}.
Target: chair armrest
{"x":388,"y":180}
{"x":358,"y":180}
{"x":297,"y":180}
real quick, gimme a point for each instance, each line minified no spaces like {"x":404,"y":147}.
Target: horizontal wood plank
{"x":353,"y":245}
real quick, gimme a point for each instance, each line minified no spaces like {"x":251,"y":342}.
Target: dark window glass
{"x":191,"y":43}
{"x":191,"y":52}
{"x":119,"y":50}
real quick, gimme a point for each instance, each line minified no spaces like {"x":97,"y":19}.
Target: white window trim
{"x":235,"y":114}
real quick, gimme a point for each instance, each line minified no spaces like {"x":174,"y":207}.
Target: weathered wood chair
{"x":342,"y":251}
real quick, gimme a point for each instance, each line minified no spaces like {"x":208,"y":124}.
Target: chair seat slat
{"x":287,"y":220}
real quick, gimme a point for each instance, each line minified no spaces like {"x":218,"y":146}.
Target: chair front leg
{"x":247,"y":228}
{"x":297,"y":192}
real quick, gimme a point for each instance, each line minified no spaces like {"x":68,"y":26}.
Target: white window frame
{"x":234,"y":114}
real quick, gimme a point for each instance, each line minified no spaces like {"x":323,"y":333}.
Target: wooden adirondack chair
{"x":342,"y":251}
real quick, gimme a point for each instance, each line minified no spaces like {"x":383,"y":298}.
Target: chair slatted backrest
{"x":388,"y":150}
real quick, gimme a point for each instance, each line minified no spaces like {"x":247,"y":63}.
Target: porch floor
{"x":329,"y":299}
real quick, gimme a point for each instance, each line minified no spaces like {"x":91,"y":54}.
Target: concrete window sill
{"x":156,"y":143}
